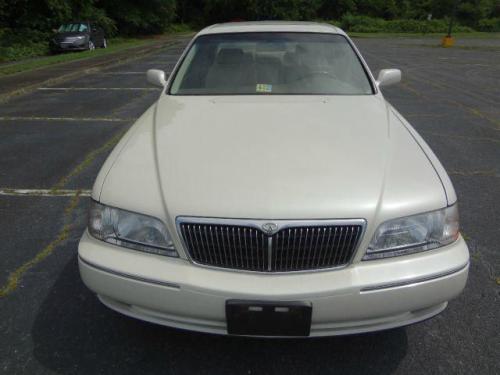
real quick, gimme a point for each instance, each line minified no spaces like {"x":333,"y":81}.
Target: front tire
{"x":91,"y":46}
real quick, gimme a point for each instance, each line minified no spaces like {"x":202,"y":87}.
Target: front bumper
{"x":80,"y":45}
{"x":365,"y":296}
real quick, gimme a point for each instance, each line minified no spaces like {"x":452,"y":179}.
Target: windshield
{"x":73,"y":27}
{"x":271,"y":63}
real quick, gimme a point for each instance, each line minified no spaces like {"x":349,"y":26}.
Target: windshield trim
{"x":362,"y":62}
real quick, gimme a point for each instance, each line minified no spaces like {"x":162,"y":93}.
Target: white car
{"x":273,"y":191}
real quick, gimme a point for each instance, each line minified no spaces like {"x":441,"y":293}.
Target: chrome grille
{"x":294,"y":247}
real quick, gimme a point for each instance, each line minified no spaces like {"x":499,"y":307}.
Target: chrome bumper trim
{"x":129,"y":276}
{"x":413,"y":281}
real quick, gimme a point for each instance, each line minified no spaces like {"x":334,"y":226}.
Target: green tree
{"x":335,"y":9}
{"x":283,"y":9}
{"x":470,"y":12}
{"x":140,"y":17}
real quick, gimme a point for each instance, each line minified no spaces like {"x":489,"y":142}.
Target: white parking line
{"x":98,"y":88}
{"x":128,"y":73}
{"x":35,"y":118}
{"x":45,"y":192}
{"x":123,"y":73}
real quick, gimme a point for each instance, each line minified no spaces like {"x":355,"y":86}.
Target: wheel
{"x":91,"y":46}
{"x":104,"y":43}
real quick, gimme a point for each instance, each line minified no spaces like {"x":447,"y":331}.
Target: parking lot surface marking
{"x":57,"y":190}
{"x":87,"y":160}
{"x":50,"y":323}
{"x":439,"y":84}
{"x":124,"y":73}
{"x":98,"y":88}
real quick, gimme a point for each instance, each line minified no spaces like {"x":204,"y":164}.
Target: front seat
{"x":232,"y":69}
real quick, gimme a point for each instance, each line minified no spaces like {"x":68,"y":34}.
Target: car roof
{"x":271,"y":26}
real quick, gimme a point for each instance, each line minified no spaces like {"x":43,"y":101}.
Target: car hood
{"x":60,"y":36}
{"x":288,"y":157}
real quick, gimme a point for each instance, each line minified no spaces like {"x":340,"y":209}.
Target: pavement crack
{"x":466,"y":108}
{"x":89,"y":158}
{"x":44,"y":192}
{"x":475,"y":173}
{"x":457,"y":136}
{"x":15,"y":277}
{"x":39,"y":118}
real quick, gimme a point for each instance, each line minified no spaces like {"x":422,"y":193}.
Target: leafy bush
{"x":99,"y":16}
{"x":332,"y":22}
{"x":22,"y":43}
{"x":16,"y":52}
{"x":490,"y":25}
{"x":361,"y":24}
{"x":180,"y":28}
{"x":423,"y":26}
{"x":364,"y":24}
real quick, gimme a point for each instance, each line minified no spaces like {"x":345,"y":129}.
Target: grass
{"x":470,"y":35}
{"x":15,"y":277}
{"x":114,"y":45}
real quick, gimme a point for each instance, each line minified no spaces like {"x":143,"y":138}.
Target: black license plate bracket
{"x":268,"y":318}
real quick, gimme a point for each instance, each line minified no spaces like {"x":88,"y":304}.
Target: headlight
{"x":71,"y":39}
{"x":128,"y":229}
{"x":415,"y":233}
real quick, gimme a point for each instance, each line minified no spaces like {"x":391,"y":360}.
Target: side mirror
{"x":387,"y":77}
{"x":156,"y":77}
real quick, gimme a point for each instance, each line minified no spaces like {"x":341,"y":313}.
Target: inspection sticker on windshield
{"x":261,"y":87}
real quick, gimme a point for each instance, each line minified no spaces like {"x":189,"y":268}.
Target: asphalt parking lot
{"x":56,"y":138}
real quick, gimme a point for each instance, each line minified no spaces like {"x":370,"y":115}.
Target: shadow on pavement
{"x":74,"y":333}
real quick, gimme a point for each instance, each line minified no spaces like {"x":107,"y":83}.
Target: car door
{"x":101,"y":33}
{"x":96,"y":35}
{"x":87,"y":28}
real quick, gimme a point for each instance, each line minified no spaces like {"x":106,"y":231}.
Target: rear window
{"x":271,"y":63}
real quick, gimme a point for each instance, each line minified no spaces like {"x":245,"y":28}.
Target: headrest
{"x":230,"y":56}
{"x":289,"y":58}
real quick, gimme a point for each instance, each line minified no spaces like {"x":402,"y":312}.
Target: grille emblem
{"x":270,"y":228}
